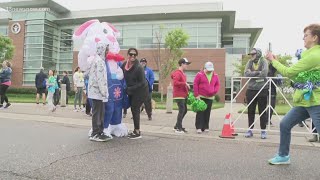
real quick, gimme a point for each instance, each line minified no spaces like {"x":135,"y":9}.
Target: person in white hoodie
{"x":98,"y":92}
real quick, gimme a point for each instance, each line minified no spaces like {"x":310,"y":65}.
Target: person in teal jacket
{"x":306,"y":77}
{"x":52,"y":86}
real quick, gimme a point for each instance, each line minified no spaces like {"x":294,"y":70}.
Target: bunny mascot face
{"x":87,"y":36}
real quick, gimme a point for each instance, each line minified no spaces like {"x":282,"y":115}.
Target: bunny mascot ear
{"x":87,"y":36}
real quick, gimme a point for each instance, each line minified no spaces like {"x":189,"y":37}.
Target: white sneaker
{"x":199,"y":131}
{"x":206,"y":130}
{"x":75,"y":110}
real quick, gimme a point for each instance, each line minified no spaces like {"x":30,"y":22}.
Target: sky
{"x":282,"y":21}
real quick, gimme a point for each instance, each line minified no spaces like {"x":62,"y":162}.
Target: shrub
{"x":217,"y":98}
{"x":12,"y":90}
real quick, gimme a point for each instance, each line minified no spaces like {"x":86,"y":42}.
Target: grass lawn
{"x":281,"y":109}
{"x":175,"y":107}
{"x":28,"y":98}
{"x":31,"y":98}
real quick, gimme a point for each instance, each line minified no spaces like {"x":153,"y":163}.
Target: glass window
{"x":32,"y":64}
{"x":207,"y":42}
{"x":29,"y":76}
{"x":207,"y":31}
{"x":36,"y":15}
{"x":35,"y":34}
{"x":35,"y":22}
{"x":129,"y":42}
{"x":35,"y":28}
{"x":66,"y":55}
{"x":65,"y":66}
{"x":4,"y":31}
{"x":207,"y":24}
{"x":30,"y":52}
{"x":33,"y":46}
{"x":34,"y":40}
{"x":19,"y":15}
{"x":191,"y":31}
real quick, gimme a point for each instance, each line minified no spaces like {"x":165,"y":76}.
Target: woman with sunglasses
{"x":137,"y":88}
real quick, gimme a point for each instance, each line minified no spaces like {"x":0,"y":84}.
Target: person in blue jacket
{"x":150,"y":78}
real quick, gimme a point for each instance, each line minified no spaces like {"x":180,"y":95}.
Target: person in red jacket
{"x":180,"y":92}
{"x":206,"y":84}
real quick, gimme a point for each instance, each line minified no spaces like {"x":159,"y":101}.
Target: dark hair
{"x":315,"y":30}
{"x":54,"y":72}
{"x":77,"y":69}
{"x":65,"y":72}
{"x":134,"y":49}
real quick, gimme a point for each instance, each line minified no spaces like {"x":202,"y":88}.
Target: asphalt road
{"x":34,"y":150}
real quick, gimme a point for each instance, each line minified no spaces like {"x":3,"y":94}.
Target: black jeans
{"x":97,"y":116}
{"x":136,"y":102}
{"x":203,"y":117}
{"x":261,"y":100}
{"x":3,"y":90}
{"x":88,"y":107}
{"x":147,"y":104}
{"x":182,"y":105}
{"x":56,"y":97}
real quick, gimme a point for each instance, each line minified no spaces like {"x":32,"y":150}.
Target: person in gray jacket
{"x":98,"y":92}
{"x":257,"y":66}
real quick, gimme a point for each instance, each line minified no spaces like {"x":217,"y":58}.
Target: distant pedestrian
{"x":78,"y":84}
{"x":40,"y":82}
{"x":56,"y":95}
{"x":150,"y":78}
{"x":5,"y":82}
{"x":66,"y":81}
{"x":52,"y":86}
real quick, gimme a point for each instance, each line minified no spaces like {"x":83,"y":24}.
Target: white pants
{"x":50,"y":100}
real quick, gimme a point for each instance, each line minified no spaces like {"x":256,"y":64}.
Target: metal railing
{"x":269,"y":107}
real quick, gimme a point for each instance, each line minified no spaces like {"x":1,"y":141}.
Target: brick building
{"x":41,"y":31}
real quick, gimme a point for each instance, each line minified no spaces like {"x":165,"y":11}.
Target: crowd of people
{"x":112,"y":84}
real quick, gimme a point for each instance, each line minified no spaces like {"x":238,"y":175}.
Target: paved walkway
{"x":162,"y":122}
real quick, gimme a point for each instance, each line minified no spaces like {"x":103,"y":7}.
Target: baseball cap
{"x":143,"y":60}
{"x":209,"y":66}
{"x":183,"y":61}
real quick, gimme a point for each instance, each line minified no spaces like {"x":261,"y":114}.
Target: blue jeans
{"x":292,"y":118}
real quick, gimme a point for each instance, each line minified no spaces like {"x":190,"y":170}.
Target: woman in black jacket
{"x":137,"y":88}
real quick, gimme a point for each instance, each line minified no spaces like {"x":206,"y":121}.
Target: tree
{"x":6,"y":48}
{"x":174,"y":41}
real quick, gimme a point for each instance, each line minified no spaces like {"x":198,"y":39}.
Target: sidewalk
{"x":162,"y":122}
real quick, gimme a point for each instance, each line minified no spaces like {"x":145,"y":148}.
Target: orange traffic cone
{"x":227,"y":130}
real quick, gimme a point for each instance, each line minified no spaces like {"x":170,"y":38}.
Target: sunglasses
{"x":132,"y":54}
{"x":252,"y":54}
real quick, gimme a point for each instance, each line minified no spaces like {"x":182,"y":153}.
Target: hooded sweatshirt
{"x":257,"y":67}
{"x":180,"y":89}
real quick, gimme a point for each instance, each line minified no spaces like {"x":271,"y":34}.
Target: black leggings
{"x":3,"y":90}
{"x":261,"y":100}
